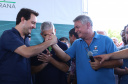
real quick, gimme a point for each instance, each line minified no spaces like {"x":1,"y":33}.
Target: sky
{"x":108,"y":14}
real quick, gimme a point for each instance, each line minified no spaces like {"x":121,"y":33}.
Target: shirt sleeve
{"x":11,"y":41}
{"x":72,"y":50}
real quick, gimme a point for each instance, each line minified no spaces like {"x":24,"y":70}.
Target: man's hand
{"x":44,"y":58}
{"x":126,"y":70}
{"x":102,"y":57}
{"x":52,"y":38}
{"x":95,"y":65}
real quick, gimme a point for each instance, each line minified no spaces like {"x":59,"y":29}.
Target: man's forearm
{"x":60,"y":53}
{"x":120,"y":71}
{"x":35,"y":69}
{"x":32,"y":50}
{"x":60,"y":65}
{"x":120,"y":54}
{"x":112,"y":63}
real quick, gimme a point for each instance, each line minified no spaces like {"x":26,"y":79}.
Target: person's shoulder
{"x":124,"y":47}
{"x":104,"y":37}
{"x":7,"y":33}
{"x":62,"y":45}
{"x":78,"y":40}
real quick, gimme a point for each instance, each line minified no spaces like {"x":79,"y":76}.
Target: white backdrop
{"x":57,"y":11}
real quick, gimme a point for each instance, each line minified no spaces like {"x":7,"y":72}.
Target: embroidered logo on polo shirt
{"x":95,"y":47}
{"x":95,"y":51}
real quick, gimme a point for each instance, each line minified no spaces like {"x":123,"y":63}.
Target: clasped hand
{"x":46,"y":58}
{"x":95,"y":65}
{"x":52,"y":38}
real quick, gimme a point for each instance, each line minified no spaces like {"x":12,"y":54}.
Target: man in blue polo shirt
{"x":90,"y":72}
{"x":48,"y":68}
{"x":15,"y":51}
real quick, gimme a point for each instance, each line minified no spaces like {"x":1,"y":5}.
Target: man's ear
{"x":88,"y":24}
{"x":74,"y":38}
{"x":41,"y":35}
{"x":22,"y":19}
{"x":55,"y":31}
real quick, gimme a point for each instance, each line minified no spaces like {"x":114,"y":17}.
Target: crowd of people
{"x":49,"y":61}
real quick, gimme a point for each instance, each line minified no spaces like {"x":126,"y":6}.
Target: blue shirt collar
{"x":17,"y":32}
{"x":96,"y":36}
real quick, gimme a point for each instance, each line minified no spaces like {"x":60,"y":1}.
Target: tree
{"x":114,"y":33}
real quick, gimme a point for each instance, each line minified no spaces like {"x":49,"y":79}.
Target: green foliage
{"x":115,"y":33}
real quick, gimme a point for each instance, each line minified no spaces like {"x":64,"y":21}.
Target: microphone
{"x":90,"y":54}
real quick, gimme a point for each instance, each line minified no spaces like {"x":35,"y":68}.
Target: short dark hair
{"x":63,"y":39}
{"x":72,"y":32}
{"x":125,"y":27}
{"x":26,"y":13}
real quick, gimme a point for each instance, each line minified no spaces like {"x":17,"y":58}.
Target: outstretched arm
{"x":122,"y":54}
{"x":120,"y":71}
{"x":35,"y":69}
{"x":106,"y":64}
{"x":34,"y":50}
{"x":60,"y":53}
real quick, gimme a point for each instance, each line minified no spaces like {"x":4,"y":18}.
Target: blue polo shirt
{"x":50,"y":74}
{"x":14,"y":68}
{"x":85,"y":74}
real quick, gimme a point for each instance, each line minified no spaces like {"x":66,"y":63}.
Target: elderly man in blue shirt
{"x":90,"y":72}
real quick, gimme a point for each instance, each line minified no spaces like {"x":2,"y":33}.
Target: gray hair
{"x":46,"y":26}
{"x":84,"y":19}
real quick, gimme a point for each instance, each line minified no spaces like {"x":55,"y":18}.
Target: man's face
{"x":126,"y":34}
{"x":30,"y":24}
{"x":47,"y":32}
{"x":71,"y":39}
{"x":123,"y":36}
{"x":80,"y":29}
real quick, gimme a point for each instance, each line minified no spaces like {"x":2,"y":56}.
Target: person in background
{"x":15,"y":50}
{"x":65,"y":40}
{"x":101,"y":32}
{"x":72,"y":74}
{"x":123,"y":43}
{"x":90,"y":72}
{"x":122,"y":54}
{"x":115,"y":40}
{"x":72,"y":35}
{"x":104,"y":33}
{"x":47,"y":67}
{"x":122,"y":71}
